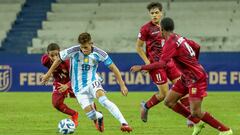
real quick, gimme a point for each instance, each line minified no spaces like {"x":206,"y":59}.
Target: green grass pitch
{"x":32,"y":114}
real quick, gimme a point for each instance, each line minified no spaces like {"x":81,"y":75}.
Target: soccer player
{"x":193,"y":80}
{"x":61,"y":84}
{"x":84,"y":59}
{"x":150,"y":34}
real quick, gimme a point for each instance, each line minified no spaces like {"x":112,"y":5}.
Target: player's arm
{"x":63,"y":55}
{"x":141,"y":52}
{"x":64,"y":87}
{"x":46,"y":76}
{"x":167,"y":53}
{"x":118,"y":76}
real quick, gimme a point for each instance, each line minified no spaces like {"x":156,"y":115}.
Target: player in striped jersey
{"x":86,"y":85}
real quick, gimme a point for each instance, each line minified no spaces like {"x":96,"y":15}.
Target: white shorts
{"x":87,"y":94}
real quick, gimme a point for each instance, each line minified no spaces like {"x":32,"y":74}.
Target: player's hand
{"x":62,"y":87}
{"x":124,"y":90}
{"x":144,"y":72}
{"x":44,"y":79}
{"x":135,"y":68}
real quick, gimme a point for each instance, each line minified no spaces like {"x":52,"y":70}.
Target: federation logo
{"x":5,"y":77}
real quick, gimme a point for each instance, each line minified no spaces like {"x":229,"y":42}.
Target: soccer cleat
{"x":190,"y":124}
{"x":197,"y":128}
{"x":229,"y":132}
{"x":126,"y":128}
{"x":75,"y":119}
{"x":144,"y":112}
{"x":99,"y":124}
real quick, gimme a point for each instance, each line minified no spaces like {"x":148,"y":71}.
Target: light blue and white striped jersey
{"x":83,"y":68}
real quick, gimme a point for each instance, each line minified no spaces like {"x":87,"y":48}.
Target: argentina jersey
{"x":83,"y":68}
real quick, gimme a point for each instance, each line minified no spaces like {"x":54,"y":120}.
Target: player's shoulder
{"x":74,"y":48}
{"x":45,"y":59}
{"x":99,"y":51}
{"x":146,"y":25}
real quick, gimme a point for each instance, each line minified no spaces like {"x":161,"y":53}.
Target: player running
{"x":150,"y":34}
{"x":192,"y":82}
{"x":61,"y":84}
{"x":84,"y":59}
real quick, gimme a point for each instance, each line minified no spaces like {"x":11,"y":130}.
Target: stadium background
{"x":28,"y":26}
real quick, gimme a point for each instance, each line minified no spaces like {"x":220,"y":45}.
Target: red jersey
{"x":61,"y":73}
{"x":183,"y":52}
{"x":151,"y":34}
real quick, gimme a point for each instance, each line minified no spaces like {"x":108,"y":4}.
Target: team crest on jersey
{"x":86,"y":60}
{"x":194,"y":91}
{"x":5,"y":77}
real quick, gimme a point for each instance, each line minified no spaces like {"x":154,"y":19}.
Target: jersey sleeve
{"x":68,"y":53}
{"x":103,"y":57}
{"x":142,"y":35}
{"x":45,"y":60}
{"x":195,"y":46}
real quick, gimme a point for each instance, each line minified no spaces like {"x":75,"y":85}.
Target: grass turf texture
{"x":32,"y":114}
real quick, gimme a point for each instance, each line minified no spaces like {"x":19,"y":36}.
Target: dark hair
{"x":52,"y":47}
{"x":84,"y":38}
{"x":154,"y":5}
{"x":167,"y":24}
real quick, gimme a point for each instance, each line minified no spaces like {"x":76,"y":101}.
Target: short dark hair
{"x":52,"y":47}
{"x":84,"y":38}
{"x":167,"y":24}
{"x":154,"y":5}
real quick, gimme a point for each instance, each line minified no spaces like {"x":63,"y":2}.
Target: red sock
{"x":213,"y":122}
{"x":185,"y":102}
{"x":152,"y":102}
{"x":64,"y":109}
{"x":179,"y":108}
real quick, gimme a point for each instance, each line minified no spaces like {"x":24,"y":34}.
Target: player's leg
{"x":87,"y":104}
{"x":171,"y":101}
{"x":196,"y":94}
{"x":96,"y":116}
{"x":159,"y":77}
{"x":58,"y":103}
{"x":113,"y":109}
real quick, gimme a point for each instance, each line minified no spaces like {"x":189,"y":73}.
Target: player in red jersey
{"x":150,"y":34}
{"x":61,"y":84}
{"x":193,"y":80}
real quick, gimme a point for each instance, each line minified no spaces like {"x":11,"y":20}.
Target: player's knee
{"x":168,"y":103}
{"x":196,"y":113}
{"x":103,"y":100}
{"x":91,"y":115}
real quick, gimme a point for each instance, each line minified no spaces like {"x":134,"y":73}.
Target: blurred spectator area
{"x":8,"y":13}
{"x":114,"y":24}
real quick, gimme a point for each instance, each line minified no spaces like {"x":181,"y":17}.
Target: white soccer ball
{"x":66,"y":126}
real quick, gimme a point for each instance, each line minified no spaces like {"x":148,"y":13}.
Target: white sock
{"x":98,"y":115}
{"x":112,"y":108}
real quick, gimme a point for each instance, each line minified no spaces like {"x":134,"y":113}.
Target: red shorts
{"x":195,"y":90}
{"x":161,"y":76}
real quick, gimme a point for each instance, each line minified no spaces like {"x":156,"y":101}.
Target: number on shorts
{"x":159,"y":78}
{"x":96,"y":84}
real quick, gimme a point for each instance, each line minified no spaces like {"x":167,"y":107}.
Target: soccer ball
{"x":66,"y":126}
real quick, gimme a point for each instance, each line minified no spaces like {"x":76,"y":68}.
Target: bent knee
{"x":196,"y":114}
{"x":169,"y":103}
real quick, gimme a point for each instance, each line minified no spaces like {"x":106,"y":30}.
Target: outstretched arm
{"x":118,"y":76}
{"x":151,"y":66}
{"x":46,"y":76}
